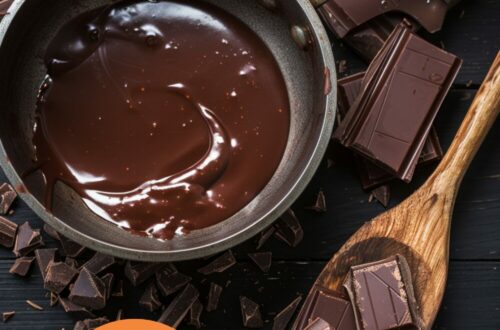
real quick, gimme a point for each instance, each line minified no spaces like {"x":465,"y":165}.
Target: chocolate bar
{"x":343,"y":16}
{"x":329,"y":306}
{"x":213,"y":297}
{"x":282,"y":319}
{"x":219,"y":264}
{"x":372,"y":176}
{"x":7,"y":197}
{"x":88,"y":291}
{"x":401,"y":93}
{"x":8,"y":230}
{"x":382,"y":293}
{"x":21,"y":266}
{"x":179,"y":307}
{"x":250,"y":311}
{"x":58,"y":277}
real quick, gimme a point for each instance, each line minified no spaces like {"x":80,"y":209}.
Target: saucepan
{"x":293,"y":32}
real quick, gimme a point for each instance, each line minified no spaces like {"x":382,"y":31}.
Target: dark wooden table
{"x":472,"y":300}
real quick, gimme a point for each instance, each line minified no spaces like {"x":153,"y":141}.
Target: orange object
{"x":135,"y":325}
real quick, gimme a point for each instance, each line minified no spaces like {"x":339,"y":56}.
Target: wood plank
{"x":473,"y":293}
{"x":470,"y":32}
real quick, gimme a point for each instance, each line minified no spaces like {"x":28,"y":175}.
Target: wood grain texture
{"x":419,"y":227}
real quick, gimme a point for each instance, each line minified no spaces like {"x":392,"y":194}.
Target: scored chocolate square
{"x":382,"y":295}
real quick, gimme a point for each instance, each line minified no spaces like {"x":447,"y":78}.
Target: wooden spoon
{"x":419,"y":227}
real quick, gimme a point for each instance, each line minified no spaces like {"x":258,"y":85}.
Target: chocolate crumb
{"x":7,"y":316}
{"x":213,"y":297}
{"x":54,"y":298}
{"x":468,"y":84}
{"x":250,"y":311}
{"x":320,"y":203}
{"x":34,"y":305}
{"x":220,"y":264}
{"x":262,"y":259}
{"x":342,"y":66}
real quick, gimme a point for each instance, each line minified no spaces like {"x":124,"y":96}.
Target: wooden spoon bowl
{"x":419,"y":227}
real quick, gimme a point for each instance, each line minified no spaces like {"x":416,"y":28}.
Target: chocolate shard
{"x":319,"y":324}
{"x":7,"y":197}
{"x":8,"y":231}
{"x":71,"y":248}
{"x":88,"y":291}
{"x":214,"y":294}
{"x":119,"y":315}
{"x":288,"y":229}
{"x":99,"y":262}
{"x":382,"y":194}
{"x":343,"y":16}
{"x":117,"y":289}
{"x":179,"y":307}
{"x":329,"y":306}
{"x":108,"y":281}
{"x":432,"y":149}
{"x":220,"y":264}
{"x":22,"y":266}
{"x":79,"y":325}
{"x":58,"y":277}
{"x":54,"y":299}
{"x":169,"y":280}
{"x":27,"y":240}
{"x":195,"y":314}
{"x":51,"y":232}
{"x":43,"y":258}
{"x":71,"y":262}
{"x":92,"y":324}
{"x":402,"y":91}
{"x":250,"y":311}
{"x":150,"y":300}
{"x":34,"y":305}
{"x":74,"y":309}
{"x":320,"y":203}
{"x":382,"y":293}
{"x":265,"y":235}
{"x":7,"y":316}
{"x":138,"y":272}
{"x":262,"y":259}
{"x":282,"y":319}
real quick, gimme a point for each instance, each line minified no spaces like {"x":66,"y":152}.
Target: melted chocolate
{"x":164,"y":117}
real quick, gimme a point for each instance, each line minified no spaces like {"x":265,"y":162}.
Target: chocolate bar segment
{"x":401,"y":93}
{"x":382,"y":293}
{"x":342,"y":16}
{"x":8,"y":230}
{"x":329,"y":306}
{"x":7,"y":197}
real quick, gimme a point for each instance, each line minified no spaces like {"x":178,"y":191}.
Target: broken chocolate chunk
{"x":99,"y":262}
{"x":70,"y":248}
{"x":58,"y":277}
{"x":88,"y":291}
{"x":319,"y":324}
{"x":74,"y":309}
{"x":382,"y":293}
{"x":71,"y":262}
{"x":262,"y":259}
{"x":195,"y":314}
{"x":34,"y":305}
{"x":43,"y":258}
{"x":8,"y":230}
{"x":213,"y":297}
{"x":138,"y":272}
{"x":250,"y":311}
{"x":179,"y":307}
{"x":27,"y":240}
{"x":79,"y":325}
{"x":51,"y":232}
{"x":108,"y":280}
{"x":382,"y":194}
{"x":220,"y":264}
{"x":54,"y":298}
{"x":7,"y":197}
{"x":265,"y":235}
{"x":22,"y":266}
{"x":118,"y":289}
{"x":320,"y":204}
{"x":92,"y":324}
{"x":150,"y":299}
{"x":7,"y":316}
{"x":169,"y":280}
{"x":282,"y":319}
{"x":288,"y":229}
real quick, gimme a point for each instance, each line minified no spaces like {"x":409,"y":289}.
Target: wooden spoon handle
{"x":479,"y":119}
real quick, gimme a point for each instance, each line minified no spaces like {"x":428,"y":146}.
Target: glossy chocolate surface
{"x":165,"y":117}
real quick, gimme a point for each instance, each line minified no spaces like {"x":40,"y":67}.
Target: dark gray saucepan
{"x":24,"y":35}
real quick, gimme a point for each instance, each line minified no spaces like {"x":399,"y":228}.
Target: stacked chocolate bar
{"x":386,"y":114}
